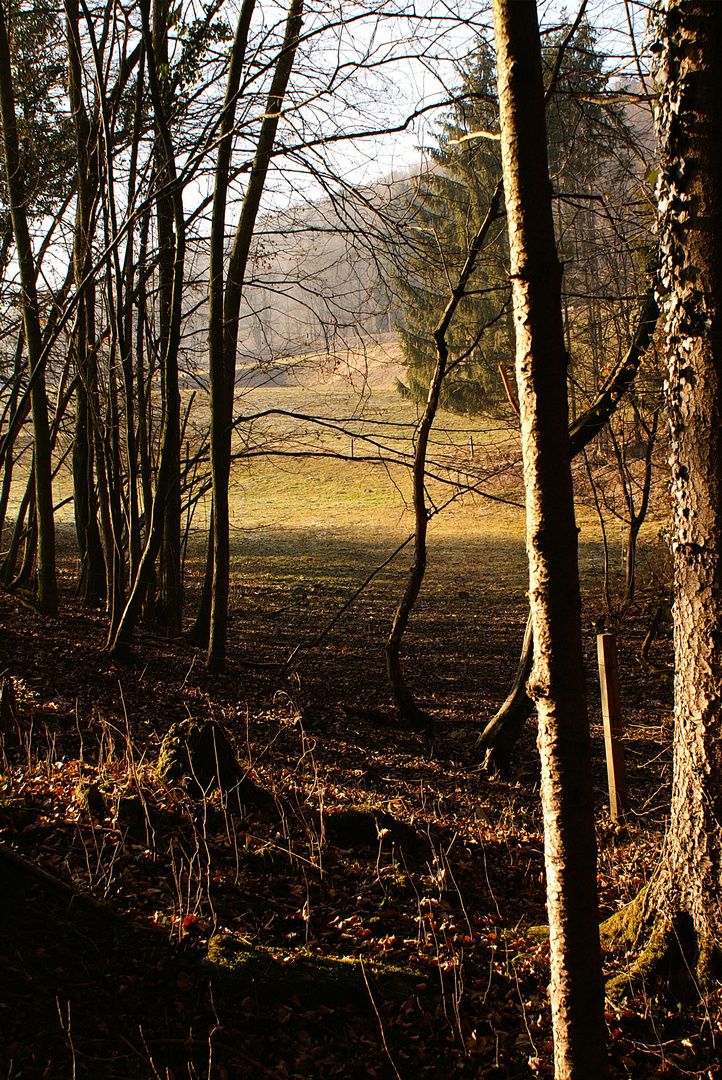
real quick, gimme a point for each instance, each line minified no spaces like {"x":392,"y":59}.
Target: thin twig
{"x":378,"y":1017}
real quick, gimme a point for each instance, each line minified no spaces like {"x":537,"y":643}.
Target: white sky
{"x":411,"y":83}
{"x":413,"y":53}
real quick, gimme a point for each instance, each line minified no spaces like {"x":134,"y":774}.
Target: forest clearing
{"x":360,"y":539}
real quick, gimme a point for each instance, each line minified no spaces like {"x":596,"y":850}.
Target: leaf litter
{"x":376,"y":914}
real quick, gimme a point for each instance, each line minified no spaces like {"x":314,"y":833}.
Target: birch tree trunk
{"x":556,"y":683}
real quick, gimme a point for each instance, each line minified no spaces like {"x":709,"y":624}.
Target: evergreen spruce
{"x":588,"y":146}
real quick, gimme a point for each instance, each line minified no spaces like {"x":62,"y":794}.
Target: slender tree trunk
{"x":499,"y":736}
{"x":221,"y":413}
{"x":5,"y":491}
{"x":30,"y":536}
{"x":128,"y":315}
{"x":637,"y":516}
{"x":225,"y":308}
{"x":114,"y":481}
{"x":171,"y":598}
{"x":10,"y":412}
{"x":557,"y":683}
{"x":198,"y":633}
{"x":169,"y":462}
{"x":92,"y":584}
{"x":47,"y":581}
{"x":142,"y":382}
{"x":104,"y":512}
{"x":403,"y":697}
{"x":8,"y":567}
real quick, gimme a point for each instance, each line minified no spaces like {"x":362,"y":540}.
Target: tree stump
{"x":202,"y":756}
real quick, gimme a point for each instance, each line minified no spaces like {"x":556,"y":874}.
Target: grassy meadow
{"x":308,"y":505}
{"x":327,"y":500}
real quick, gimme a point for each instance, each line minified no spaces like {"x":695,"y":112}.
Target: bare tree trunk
{"x":638,"y":515}
{"x":225,"y":309}
{"x":500,"y":735}
{"x":92,"y":584}
{"x":403,"y":697}
{"x":30,"y":535}
{"x":557,"y":683}
{"x":47,"y":582}
{"x":143,"y":380}
{"x":10,"y":413}
{"x":171,"y":596}
{"x":8,"y":566}
{"x":168,"y":468}
{"x":114,"y":482}
{"x":104,"y":512}
{"x":200,"y":630}
{"x":132,"y":405}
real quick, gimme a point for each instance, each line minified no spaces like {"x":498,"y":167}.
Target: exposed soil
{"x":372,"y":914}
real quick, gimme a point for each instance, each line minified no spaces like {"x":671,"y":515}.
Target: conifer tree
{"x":588,"y":148}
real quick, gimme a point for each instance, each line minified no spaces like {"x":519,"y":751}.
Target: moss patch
{"x":332,"y":981}
{"x":663,"y":953}
{"x":650,"y":967}
{"x":709,"y":963}
{"x":623,"y":929}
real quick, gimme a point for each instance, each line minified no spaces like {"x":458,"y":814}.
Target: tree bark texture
{"x":557,"y":683}
{"x":689,"y":119}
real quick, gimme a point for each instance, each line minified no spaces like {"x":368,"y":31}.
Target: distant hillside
{"x":375,"y":360}
{"x":320,"y":300}
{"x":319,"y":303}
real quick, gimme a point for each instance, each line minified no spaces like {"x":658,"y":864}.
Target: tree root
{"x":414,"y":718}
{"x":667,"y":956}
{"x":501,"y":734}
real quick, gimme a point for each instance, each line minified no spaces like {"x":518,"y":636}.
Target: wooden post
{"x":351,"y":448}
{"x":471,"y":447}
{"x":613,"y":725}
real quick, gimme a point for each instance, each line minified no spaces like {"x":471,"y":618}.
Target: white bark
{"x":557,"y":680}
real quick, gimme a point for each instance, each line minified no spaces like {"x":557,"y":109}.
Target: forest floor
{"x":368,"y":908}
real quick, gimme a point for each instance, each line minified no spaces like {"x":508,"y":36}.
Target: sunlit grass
{"x":325,"y":493}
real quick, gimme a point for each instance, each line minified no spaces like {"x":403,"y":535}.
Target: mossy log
{"x":272,"y":976}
